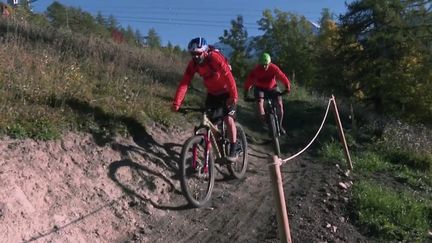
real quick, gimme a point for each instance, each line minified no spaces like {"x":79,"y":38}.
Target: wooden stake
{"x":278,"y":192}
{"x":341,"y":133}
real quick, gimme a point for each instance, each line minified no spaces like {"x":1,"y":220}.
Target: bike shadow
{"x":107,"y":126}
{"x":223,"y":174}
{"x":105,"y":131}
{"x":126,"y":186}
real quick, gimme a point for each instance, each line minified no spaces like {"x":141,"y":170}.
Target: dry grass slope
{"x":43,"y":73}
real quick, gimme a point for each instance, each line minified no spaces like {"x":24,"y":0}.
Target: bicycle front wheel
{"x":197,"y":171}
{"x":274,"y":134}
{"x":238,"y":168}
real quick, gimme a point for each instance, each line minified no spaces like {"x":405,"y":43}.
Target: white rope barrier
{"x":313,"y":139}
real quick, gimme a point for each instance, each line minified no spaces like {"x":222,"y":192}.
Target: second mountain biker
{"x":263,"y":77}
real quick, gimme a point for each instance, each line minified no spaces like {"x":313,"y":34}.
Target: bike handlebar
{"x":185,"y":110}
{"x":278,"y":93}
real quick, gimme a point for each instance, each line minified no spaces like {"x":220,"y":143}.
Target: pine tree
{"x":153,"y":39}
{"x":386,"y":55}
{"x":236,"y":38}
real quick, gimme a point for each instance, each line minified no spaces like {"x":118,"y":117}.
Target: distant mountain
{"x":315,"y":27}
{"x":227,"y":49}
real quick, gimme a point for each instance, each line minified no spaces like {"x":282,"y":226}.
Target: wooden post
{"x":341,"y":133}
{"x":278,"y":193}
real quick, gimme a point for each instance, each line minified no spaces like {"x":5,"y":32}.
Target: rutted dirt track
{"x":126,"y":190}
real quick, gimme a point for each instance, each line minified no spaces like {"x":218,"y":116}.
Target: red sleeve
{"x":184,"y":84}
{"x":250,"y":80}
{"x":282,"y":77}
{"x":225,"y":72}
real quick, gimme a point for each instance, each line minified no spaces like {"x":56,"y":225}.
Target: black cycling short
{"x":217,"y":104}
{"x":261,"y":93}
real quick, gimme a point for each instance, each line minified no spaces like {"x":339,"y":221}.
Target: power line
{"x":204,"y":13}
{"x":177,"y":21}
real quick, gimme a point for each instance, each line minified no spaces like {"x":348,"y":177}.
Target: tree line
{"x":378,"y":53}
{"x":75,"y":20}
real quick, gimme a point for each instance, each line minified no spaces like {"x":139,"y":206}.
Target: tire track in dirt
{"x":240,"y":211}
{"x":244,"y":211}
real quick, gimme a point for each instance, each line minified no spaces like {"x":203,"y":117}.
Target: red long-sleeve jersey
{"x":216,"y":74}
{"x":266,"y":79}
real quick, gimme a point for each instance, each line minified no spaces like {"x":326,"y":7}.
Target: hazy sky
{"x":178,"y":21}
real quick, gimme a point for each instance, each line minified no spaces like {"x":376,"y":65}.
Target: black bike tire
{"x":183,"y":180}
{"x":274,"y":134}
{"x":242,"y":160}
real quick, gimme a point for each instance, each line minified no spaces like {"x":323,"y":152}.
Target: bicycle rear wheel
{"x":238,"y":168}
{"x":196,"y":178}
{"x":274,"y":134}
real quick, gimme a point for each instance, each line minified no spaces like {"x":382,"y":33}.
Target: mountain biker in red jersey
{"x":221,"y":87}
{"x":263,"y":77}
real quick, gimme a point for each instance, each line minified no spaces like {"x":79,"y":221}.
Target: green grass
{"x":371,"y":162}
{"x":391,"y":199}
{"x":332,"y":151}
{"x":390,"y":215}
{"x":37,"y":127}
{"x":415,"y":161}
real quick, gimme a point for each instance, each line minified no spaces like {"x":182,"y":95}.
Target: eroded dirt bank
{"x":126,"y":190}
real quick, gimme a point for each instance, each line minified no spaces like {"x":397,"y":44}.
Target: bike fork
{"x":206,"y":153}
{"x":207,"y":148}
{"x":277,"y":122}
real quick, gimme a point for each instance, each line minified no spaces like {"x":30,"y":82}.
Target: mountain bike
{"x":272,"y":118}
{"x":208,"y":145}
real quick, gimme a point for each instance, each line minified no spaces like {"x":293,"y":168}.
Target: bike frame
{"x":211,"y":135}
{"x":272,"y":110}
{"x":200,"y":153}
{"x":272,"y":118}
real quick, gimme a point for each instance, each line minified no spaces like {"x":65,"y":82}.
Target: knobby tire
{"x":196,"y":184}
{"x":238,"y":169}
{"x":274,"y":134}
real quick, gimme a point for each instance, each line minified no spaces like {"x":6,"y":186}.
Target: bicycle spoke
{"x":197,"y":177}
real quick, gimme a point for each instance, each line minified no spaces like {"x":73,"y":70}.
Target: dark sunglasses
{"x":196,"y":53}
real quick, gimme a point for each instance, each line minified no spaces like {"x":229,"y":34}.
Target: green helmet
{"x":265,"y":59}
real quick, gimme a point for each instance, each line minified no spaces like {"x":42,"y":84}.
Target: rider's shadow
{"x":163,"y":157}
{"x":107,"y":124}
{"x":168,"y":159}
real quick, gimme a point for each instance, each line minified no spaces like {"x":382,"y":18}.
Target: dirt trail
{"x":76,"y":190}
